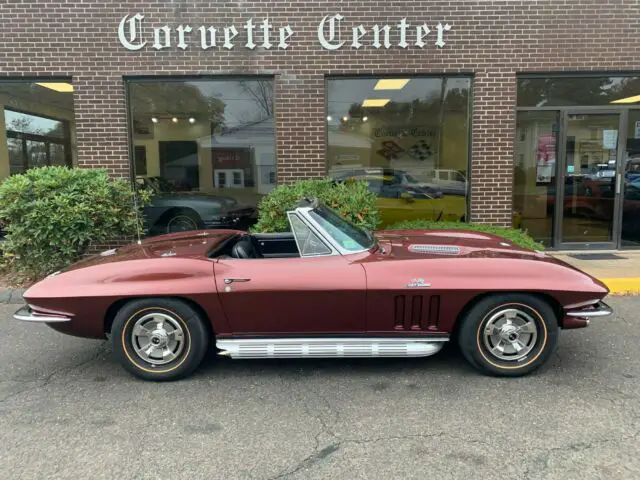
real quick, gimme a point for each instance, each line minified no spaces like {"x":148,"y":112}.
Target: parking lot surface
{"x":68,"y":410}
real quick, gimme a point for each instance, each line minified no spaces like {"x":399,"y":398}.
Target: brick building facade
{"x":492,"y":43}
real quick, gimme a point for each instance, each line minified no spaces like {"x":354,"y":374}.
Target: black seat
{"x":245,"y":248}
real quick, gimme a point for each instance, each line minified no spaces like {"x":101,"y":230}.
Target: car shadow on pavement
{"x":448,"y":360}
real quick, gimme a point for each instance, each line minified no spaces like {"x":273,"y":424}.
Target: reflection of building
{"x":244,"y":156}
{"x":468,"y":112}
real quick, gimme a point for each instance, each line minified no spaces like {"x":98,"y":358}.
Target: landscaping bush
{"x":51,"y":215}
{"x":352,"y":200}
{"x":517,"y":236}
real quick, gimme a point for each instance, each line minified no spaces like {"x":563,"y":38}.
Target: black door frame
{"x":561,"y":163}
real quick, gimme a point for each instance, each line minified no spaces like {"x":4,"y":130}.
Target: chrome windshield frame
{"x":304,"y":214}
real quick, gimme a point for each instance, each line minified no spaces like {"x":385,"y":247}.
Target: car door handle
{"x":231,"y":280}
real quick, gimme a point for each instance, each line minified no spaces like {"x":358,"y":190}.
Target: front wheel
{"x":509,"y":334}
{"x":159,"y":339}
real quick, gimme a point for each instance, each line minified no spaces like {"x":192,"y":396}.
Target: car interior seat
{"x":245,"y":248}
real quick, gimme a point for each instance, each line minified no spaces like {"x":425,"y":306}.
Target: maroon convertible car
{"x":325,"y":289}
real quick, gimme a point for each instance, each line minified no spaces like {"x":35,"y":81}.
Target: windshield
{"x":349,"y":236}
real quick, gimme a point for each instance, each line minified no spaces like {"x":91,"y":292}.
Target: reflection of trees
{"x":24,"y":124}
{"x":457,"y":100}
{"x":176,"y":98}
{"x":261,"y":91}
{"x":425,"y":111}
{"x":575,"y":91}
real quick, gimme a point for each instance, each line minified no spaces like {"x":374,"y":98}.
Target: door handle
{"x":618,"y":182}
{"x":231,"y":280}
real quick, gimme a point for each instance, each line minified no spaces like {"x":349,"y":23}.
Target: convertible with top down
{"x":327,"y":288}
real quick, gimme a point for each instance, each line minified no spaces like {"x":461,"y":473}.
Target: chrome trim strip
{"x":329,"y":347}
{"x":25,"y":314}
{"x":601,"y":309}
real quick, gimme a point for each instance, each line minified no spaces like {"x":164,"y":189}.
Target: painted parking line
{"x":622,"y":286}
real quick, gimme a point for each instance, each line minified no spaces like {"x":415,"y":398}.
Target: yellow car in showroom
{"x":399,"y":200}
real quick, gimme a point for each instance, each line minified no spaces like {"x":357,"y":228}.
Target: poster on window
{"x":412,"y":143}
{"x":545,"y":158}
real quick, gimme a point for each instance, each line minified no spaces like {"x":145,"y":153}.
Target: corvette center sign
{"x":333,"y":33}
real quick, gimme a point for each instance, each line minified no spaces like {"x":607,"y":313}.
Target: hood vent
{"x":441,"y":249}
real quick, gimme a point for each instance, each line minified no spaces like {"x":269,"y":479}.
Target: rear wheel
{"x":159,"y":339}
{"x":508,"y":334}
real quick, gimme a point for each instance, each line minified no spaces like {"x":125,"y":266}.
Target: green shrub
{"x":51,"y":215}
{"x":515,"y":235}
{"x":352,"y":200}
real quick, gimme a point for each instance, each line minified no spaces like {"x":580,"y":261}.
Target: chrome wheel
{"x":157,"y":338}
{"x":510,"y":334}
{"x":181,"y":223}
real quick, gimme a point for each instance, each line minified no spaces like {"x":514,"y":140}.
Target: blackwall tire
{"x":508,"y":335}
{"x":160,"y":339}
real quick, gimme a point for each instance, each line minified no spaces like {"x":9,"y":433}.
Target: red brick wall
{"x":494,"y":40}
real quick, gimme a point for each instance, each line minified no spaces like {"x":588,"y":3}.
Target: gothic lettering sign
{"x":333,"y":33}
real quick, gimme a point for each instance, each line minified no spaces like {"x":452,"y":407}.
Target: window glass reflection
{"x":408,"y":138}
{"x":534,"y":180}
{"x":37,"y":126}
{"x":578,"y":91}
{"x":630,"y":228}
{"x":206,"y":147}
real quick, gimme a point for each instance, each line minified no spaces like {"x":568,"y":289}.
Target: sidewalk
{"x":619,"y":270}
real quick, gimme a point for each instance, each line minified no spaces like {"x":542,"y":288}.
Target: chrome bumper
{"x":599,"y":309}
{"x":26,"y":314}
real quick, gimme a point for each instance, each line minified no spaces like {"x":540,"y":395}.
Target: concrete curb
{"x":12,"y":296}
{"x":622,"y":286}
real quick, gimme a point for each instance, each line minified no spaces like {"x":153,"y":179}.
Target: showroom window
{"x":36,"y":126}
{"x":577,"y":156}
{"x":206,"y":148}
{"x":408,"y":138}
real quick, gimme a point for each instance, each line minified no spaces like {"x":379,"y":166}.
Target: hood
{"x":194,"y":244}
{"x":407,"y":244}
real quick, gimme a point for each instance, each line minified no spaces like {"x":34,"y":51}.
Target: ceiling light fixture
{"x":365,"y":118}
{"x":375,"y":102}
{"x":329,"y":118}
{"x":634,"y":99}
{"x":345,"y":119}
{"x":57,"y":86}
{"x":192,"y":120}
{"x":391,"y":84}
{"x":174,"y":120}
{"x":154,"y":119}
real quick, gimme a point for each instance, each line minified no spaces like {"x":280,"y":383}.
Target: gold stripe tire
{"x":196,"y":336}
{"x":537,"y":351}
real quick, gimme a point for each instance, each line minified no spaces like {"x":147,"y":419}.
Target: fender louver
{"x":410,"y":314}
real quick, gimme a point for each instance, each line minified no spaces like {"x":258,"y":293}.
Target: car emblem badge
{"x":418,"y":283}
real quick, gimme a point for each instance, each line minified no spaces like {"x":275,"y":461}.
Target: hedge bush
{"x":517,"y":236}
{"x":352,"y":200}
{"x":51,"y":215}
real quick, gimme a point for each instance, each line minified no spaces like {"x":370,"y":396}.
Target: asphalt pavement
{"x":69,"y":411}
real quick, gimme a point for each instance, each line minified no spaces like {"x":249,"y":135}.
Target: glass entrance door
{"x":588,"y":206}
{"x":630,"y":201}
